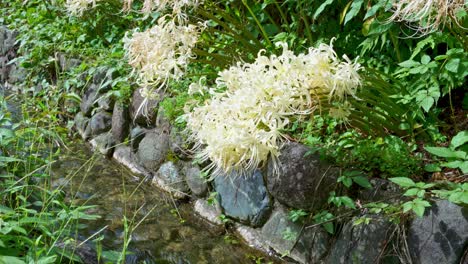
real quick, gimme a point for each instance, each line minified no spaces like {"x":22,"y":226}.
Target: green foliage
{"x":418,"y":206}
{"x":383,"y":157}
{"x":357,"y":177}
{"x":339,"y":201}
{"x":456,"y":155}
{"x":455,"y":193}
{"x":407,"y":84}
{"x":412,"y":188}
{"x":34,"y":216}
{"x":297,"y":215}
{"x":324,"y":218}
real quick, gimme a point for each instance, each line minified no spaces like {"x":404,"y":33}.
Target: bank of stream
{"x":167,"y":231}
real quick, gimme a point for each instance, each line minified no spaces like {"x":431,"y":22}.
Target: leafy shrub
{"x":382,"y":157}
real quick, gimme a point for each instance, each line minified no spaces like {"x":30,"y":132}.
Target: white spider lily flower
{"x":240,"y":128}
{"x":77,"y":7}
{"x":426,"y":16}
{"x":161,"y":52}
{"x":177,"y":7}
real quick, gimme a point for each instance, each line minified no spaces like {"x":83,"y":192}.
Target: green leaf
{"x":11,"y":260}
{"x":411,"y":192}
{"x":6,"y":210}
{"x":432,"y":168}
{"x":425,"y":59}
{"x":321,"y":8}
{"x":407,"y":206}
{"x":403,"y":181}
{"x":452,"y":65}
{"x":409,"y":64}
{"x":347,"y":182}
{"x":459,"y":197}
{"x":445,"y":152}
{"x":373,"y":10}
{"x":452,"y":164}
{"x":362,"y":181}
{"x":464,"y":167}
{"x":421,"y":44}
{"x":459,"y":139}
{"x":418,"y":209}
{"x":348,"y":202}
{"x":47,"y":260}
{"x":355,"y":8}
{"x":10,"y":159}
{"x":329,"y":227}
{"x":427,"y":103}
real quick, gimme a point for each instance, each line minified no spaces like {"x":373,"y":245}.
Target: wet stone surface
{"x":167,"y":235}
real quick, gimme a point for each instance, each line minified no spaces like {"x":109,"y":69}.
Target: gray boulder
{"x":16,"y":73}
{"x":7,"y":40}
{"x":301,"y":181}
{"x":244,"y":197}
{"x":66,"y":63}
{"x":361,"y":243}
{"x":103,"y":77}
{"x":382,"y":190}
{"x":120,"y":122}
{"x":210,"y":212}
{"x":305,"y":245}
{"x":106,"y":103}
{"x":136,"y":135}
{"x":195,"y":181}
{"x":440,"y":236}
{"x":100,"y":122}
{"x":178,"y":145}
{"x":104,"y":143}
{"x":169,"y":179}
{"x":153,"y":150}
{"x":89,"y":100}
{"x":143,"y":112}
{"x":82,"y":126}
{"x":162,"y":122}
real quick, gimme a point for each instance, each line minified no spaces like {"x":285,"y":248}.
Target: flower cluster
{"x":426,"y":16}
{"x":238,"y":129}
{"x":161,"y":52}
{"x":177,"y":6}
{"x":77,"y":7}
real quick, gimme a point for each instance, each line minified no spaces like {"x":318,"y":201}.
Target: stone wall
{"x":139,"y":136}
{"x":259,"y":204}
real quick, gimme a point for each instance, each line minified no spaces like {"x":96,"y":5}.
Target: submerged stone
{"x":441,"y":235}
{"x":244,"y":197}
{"x":210,"y":212}
{"x":104,"y":143}
{"x":169,"y":179}
{"x":82,"y":126}
{"x":303,"y":181}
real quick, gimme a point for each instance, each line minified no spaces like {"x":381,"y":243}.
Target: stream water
{"x":169,"y":231}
